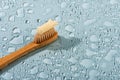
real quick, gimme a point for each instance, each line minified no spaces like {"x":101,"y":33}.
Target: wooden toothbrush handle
{"x":4,"y":61}
{"x":17,"y":54}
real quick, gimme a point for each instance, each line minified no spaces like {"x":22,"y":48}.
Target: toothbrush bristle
{"x":42,"y":37}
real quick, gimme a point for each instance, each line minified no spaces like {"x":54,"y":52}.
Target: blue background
{"x":88,"y":44}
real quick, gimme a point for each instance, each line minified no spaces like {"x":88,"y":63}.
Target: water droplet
{"x":34,"y":70}
{"x":69,"y":28}
{"x":106,"y":66}
{"x":11,"y":49}
{"x":42,"y":75}
{"x":87,"y":63}
{"x":29,"y":11}
{"x":16,"y":30}
{"x":33,"y":31}
{"x":93,"y":46}
{"x":26,"y":79}
{"x":2,"y":14}
{"x":20,"y":12}
{"x":89,"y":22}
{"x":3,"y":29}
{"x":63,"y":4}
{"x":74,"y":49}
{"x":5,"y":38}
{"x":7,"y":76}
{"x":72,"y":60}
{"x":117,"y":59}
{"x":11,"y":18}
{"x":48,"y":10}
{"x":92,"y":75}
{"x":58,"y":18}
{"x":58,"y":65}
{"x":113,"y":2}
{"x":72,"y":35}
{"x":107,"y":40}
{"x":76,"y":75}
{"x":47,"y":61}
{"x":27,"y":21}
{"x":38,"y":20}
{"x":28,"y":38}
{"x":25,"y":4}
{"x":17,"y":40}
{"x":90,"y":53}
{"x":110,"y":55}
{"x":31,"y":5}
{"x":73,"y":68}
{"x":107,"y":23}
{"x":93,"y":38}
{"x":56,"y":71}
{"x":58,"y":78}
{"x":85,"y":5}
{"x":6,"y":7}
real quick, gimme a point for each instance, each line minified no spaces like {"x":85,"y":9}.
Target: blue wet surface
{"x":88,"y":47}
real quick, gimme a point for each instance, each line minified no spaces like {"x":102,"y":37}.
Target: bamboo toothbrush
{"x":45,"y":35}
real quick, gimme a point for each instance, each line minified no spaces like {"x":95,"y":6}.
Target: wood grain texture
{"x":6,"y":60}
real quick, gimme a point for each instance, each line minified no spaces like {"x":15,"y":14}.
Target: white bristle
{"x":40,"y":38}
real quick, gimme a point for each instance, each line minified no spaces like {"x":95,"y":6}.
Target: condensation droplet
{"x":69,"y":28}
{"x":72,"y":35}
{"x":11,"y":18}
{"x":34,"y":70}
{"x":56,"y":71}
{"x":43,"y":75}
{"x":58,"y":78}
{"x":16,"y":30}
{"x":31,"y":5}
{"x":2,"y":14}
{"x":117,"y":59}
{"x":72,"y":60}
{"x":33,"y":31}
{"x":7,"y":76}
{"x":110,"y":55}
{"x":58,"y":18}
{"x":3,"y":29}
{"x":93,"y":38}
{"x":28,"y":38}
{"x":106,"y":66}
{"x":93,"y":74}
{"x":17,"y":40}
{"x":29,"y":11}
{"x":6,"y":7}
{"x":63,"y":4}
{"x":4,"y":38}
{"x":26,"y":79}
{"x":89,"y":22}
{"x":11,"y":49}
{"x":85,"y":5}
{"x":20,"y":12}
{"x":25,"y":4}
{"x":48,"y":10}
{"x":113,"y":1}
{"x":38,"y":20}
{"x":93,"y":46}
{"x":47,"y":61}
{"x":27,"y":21}
{"x":90,"y":53}
{"x":107,"y":23}
{"x":107,"y":40}
{"x":73,"y":68}
{"x":87,"y":63}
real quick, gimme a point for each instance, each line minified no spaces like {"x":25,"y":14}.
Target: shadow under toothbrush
{"x":60,"y":44}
